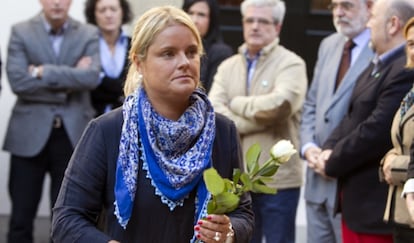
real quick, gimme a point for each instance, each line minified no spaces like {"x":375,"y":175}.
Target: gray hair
{"x":278,"y":8}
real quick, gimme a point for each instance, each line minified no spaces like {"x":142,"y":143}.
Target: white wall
{"x":12,"y":12}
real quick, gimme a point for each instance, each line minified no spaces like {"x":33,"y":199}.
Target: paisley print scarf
{"x":174,"y":153}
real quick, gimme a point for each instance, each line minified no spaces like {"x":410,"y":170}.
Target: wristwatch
{"x":35,"y":72}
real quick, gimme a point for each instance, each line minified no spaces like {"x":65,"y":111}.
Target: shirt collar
{"x":48,"y":27}
{"x":362,"y":38}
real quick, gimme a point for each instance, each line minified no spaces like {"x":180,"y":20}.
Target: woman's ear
{"x":137,"y":63}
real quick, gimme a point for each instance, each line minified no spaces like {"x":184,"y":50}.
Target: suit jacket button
{"x":326,"y":120}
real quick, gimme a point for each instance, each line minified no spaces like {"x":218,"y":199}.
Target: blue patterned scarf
{"x":174,"y":153}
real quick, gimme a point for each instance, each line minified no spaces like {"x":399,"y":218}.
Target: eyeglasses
{"x":260,"y":21}
{"x":344,"y":5}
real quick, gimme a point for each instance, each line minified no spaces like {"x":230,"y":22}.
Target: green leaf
{"x":226,"y":202}
{"x":247,"y":182}
{"x":269,"y":170}
{"x":211,"y":206}
{"x":214,"y":182}
{"x":260,"y":188}
{"x":252,"y":158}
{"x":236,"y":175}
{"x":228,"y":185}
{"x":266,"y":179}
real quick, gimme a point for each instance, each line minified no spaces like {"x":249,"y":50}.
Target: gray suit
{"x":323,"y":110}
{"x":51,"y":111}
{"x":63,"y":88}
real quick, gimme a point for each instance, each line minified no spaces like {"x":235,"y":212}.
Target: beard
{"x":350,"y":27}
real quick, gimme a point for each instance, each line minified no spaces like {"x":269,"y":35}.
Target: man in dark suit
{"x":52,"y":64}
{"x":353,"y":152}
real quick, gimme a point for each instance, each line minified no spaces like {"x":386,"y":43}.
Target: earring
{"x":139,"y":78}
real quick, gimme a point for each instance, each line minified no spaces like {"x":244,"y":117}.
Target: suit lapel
{"x":68,"y":39}
{"x":368,"y":78}
{"x":352,"y":75}
{"x":40,"y":34}
{"x":334,"y":61}
{"x":364,"y":81}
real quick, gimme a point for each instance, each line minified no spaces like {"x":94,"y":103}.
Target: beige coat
{"x":402,"y":134}
{"x":272,"y":109}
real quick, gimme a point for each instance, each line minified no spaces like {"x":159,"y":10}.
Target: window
{"x":230,"y":2}
{"x":317,"y":5}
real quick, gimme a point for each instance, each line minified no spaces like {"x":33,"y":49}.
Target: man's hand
{"x":84,"y":62}
{"x":311,"y":155}
{"x":320,"y":165}
{"x":36,"y":71}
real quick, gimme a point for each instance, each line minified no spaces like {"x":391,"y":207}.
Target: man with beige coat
{"x":262,"y":89}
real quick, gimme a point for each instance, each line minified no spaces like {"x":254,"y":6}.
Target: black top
{"x":215,"y":54}
{"x":110,"y":91}
{"x":88,"y":187}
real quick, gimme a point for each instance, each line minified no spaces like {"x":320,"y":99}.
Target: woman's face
{"x":200,"y":14}
{"x":410,"y":44}
{"x":108,"y":14}
{"x":171,"y":69}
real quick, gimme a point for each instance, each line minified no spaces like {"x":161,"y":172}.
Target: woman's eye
{"x":168,"y":54}
{"x":192,"y":52}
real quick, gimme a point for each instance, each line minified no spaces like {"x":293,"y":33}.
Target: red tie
{"x":345,"y":62}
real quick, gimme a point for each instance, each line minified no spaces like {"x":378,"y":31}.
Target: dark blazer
{"x":361,"y":140}
{"x":89,"y":185}
{"x":110,"y":90}
{"x":63,"y":89}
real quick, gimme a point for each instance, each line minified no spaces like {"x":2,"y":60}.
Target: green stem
{"x":267,"y":163}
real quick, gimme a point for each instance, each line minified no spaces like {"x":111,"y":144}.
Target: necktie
{"x":377,"y":63}
{"x":345,"y":62}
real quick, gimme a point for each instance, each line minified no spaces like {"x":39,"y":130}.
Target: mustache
{"x":342,"y":20}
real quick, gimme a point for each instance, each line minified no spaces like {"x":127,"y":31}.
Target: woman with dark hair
{"x":205,"y":15}
{"x":109,"y":16}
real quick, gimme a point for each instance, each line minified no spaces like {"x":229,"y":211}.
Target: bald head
{"x":387,"y":23}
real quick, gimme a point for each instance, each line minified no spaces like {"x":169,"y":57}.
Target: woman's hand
{"x":215,"y":228}
{"x":409,"y":200}
{"x":386,"y":168}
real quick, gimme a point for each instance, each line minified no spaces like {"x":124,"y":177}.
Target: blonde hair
{"x":146,"y":29}
{"x":407,"y":27}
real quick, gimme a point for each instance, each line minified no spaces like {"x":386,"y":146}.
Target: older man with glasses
{"x":342,"y":56}
{"x":262,"y":89}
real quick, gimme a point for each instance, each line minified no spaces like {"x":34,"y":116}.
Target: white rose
{"x":282,"y":151}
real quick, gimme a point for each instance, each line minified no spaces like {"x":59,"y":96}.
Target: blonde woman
{"x":143,"y":162}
